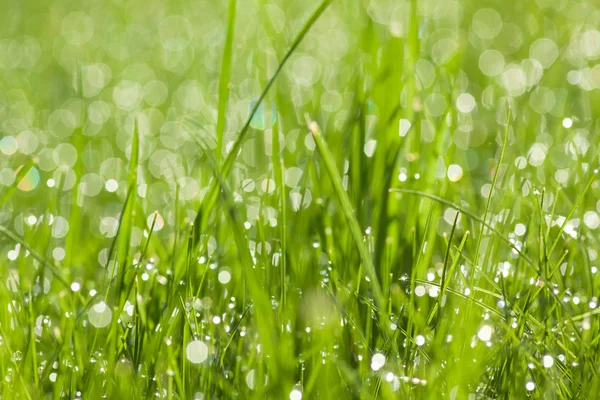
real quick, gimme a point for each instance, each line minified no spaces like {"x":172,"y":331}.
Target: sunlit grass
{"x":299,"y":199}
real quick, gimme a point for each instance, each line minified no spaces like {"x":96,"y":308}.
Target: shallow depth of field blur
{"x":296,"y":199}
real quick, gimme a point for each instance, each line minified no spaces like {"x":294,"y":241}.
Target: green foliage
{"x":299,"y":199}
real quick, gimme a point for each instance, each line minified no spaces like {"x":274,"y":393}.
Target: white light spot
{"x":370,"y":147}
{"x":450,"y":215}
{"x":485,"y":333}
{"x":547,"y":361}
{"x":465,"y":103}
{"x":514,"y":80}
{"x":420,"y":291}
{"x":100,"y":315}
{"x":573,"y":77}
{"x":309,"y":142}
{"x":377,"y":362}
{"x":487,"y":23}
{"x":521,"y":162}
{"x":268,"y":186}
{"x":196,"y":352}
{"x":224,"y":277}
{"x":111,"y":185}
{"x":60,"y":227}
{"x":292,"y":176}
{"x":250,"y":379}
{"x":567,"y":123}
{"x":58,"y":254}
{"x":8,"y":145}
{"x":404,"y":127}
{"x":520,"y":229}
{"x":455,"y":172}
{"x":589,"y":43}
{"x":530,"y":386}
{"x":434,"y":291}
{"x":537,"y":154}
{"x":75,"y":286}
{"x":591,"y":219}
{"x":295,"y":395}
{"x":127,"y":95}
{"x":486,"y":189}
{"x":12,"y":255}
{"x":420,"y":340}
{"x":545,"y":51}
{"x":158,"y":224}
{"x":491,"y":63}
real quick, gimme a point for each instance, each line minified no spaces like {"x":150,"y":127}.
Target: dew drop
{"x":196,"y":352}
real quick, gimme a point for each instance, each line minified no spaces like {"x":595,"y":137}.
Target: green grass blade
{"x":18,"y":178}
{"x":225,"y":76}
{"x":490,"y":195}
{"x":346,"y":206}
{"x":237,"y":145}
{"x":47,"y":264}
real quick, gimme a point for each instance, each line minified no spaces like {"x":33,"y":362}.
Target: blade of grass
{"x":225,"y":76}
{"x":575,"y":206}
{"x":490,"y":195}
{"x":48,"y":265}
{"x":470,"y":215}
{"x":351,"y":220}
{"x":18,"y":178}
{"x":211,"y":195}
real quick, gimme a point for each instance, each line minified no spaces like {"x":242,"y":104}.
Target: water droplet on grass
{"x":485,"y":333}
{"x":196,"y":352}
{"x":419,"y":340}
{"x":100,"y":315}
{"x":250,"y":379}
{"x":295,"y":394}
{"x":567,"y":123}
{"x":455,"y":172}
{"x":224,"y":277}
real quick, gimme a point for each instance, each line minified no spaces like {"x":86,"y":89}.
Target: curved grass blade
{"x":48,"y":265}
{"x":470,"y":215}
{"x":233,"y":333}
{"x":342,"y":196}
{"x":211,"y":196}
{"x":489,"y":198}
{"x":575,"y":206}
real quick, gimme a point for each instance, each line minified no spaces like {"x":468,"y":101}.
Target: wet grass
{"x":377,"y":235}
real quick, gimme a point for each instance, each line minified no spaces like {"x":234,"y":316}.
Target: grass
{"x":286,"y":200}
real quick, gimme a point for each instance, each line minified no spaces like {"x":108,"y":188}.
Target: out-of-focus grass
{"x":299,"y":199}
